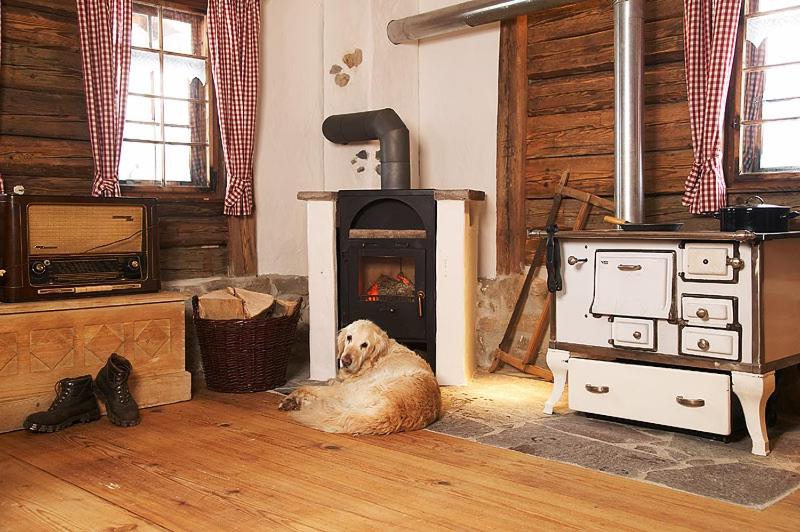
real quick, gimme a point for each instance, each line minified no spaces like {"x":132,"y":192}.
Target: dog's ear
{"x":379,"y":343}
{"x":340,"y":342}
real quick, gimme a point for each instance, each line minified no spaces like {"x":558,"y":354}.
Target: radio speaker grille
{"x":77,"y":229}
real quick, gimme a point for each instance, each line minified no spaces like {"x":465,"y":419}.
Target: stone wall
{"x":496,"y":300}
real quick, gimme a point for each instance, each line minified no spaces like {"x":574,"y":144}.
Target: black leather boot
{"x":111,"y":385}
{"x":74,"y":403}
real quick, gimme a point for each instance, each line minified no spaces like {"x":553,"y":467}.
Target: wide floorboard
{"x":234,"y":462}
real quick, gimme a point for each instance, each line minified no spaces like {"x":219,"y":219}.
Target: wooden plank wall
{"x":571,"y":107}
{"x":44,"y":142}
{"x":570,"y":124}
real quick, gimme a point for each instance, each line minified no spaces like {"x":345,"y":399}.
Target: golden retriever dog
{"x":381,"y":388}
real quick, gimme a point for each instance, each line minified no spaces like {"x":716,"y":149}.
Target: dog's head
{"x":360,"y":342}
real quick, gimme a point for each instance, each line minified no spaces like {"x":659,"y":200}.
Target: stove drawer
{"x":709,"y":261}
{"x":630,"y":332}
{"x":634,"y":284}
{"x":687,"y":399}
{"x":711,"y":343}
{"x":703,"y":311}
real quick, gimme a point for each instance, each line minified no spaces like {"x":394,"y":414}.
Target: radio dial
{"x":39,"y":267}
{"x":133,"y":264}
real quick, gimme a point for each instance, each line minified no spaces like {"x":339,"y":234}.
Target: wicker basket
{"x":245,"y":355}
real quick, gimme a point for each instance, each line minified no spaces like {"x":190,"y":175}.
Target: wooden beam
{"x":242,"y":254}
{"x":511,"y":145}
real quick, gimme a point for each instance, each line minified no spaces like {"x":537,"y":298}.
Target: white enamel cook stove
{"x":664,"y":327}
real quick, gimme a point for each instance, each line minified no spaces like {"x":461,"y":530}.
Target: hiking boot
{"x":111,"y":386}
{"x":74,"y":403}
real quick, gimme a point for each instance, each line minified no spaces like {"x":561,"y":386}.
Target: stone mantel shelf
{"x":464,"y":194}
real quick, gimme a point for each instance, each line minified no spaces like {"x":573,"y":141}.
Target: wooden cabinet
{"x":41,"y":343}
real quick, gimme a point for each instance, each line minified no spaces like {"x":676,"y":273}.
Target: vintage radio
{"x":56,"y":247}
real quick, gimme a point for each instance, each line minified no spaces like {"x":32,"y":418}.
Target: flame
{"x":373,"y":292}
{"x":403,"y":279}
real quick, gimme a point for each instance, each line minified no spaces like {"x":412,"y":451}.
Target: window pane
{"x":186,"y":164}
{"x":177,"y":134}
{"x":140,"y":161}
{"x":135,"y":130}
{"x":184,"y":77}
{"x":145,"y":75}
{"x":184,"y":33}
{"x":176,"y":112}
{"x":772,"y":93}
{"x":145,"y":26}
{"x":192,"y":115}
{"x":759,"y":6}
{"x":776,"y":36}
{"x":770,"y":147}
{"x":143,"y":109}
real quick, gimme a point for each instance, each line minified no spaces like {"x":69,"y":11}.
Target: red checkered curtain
{"x":233,"y":32}
{"x":105,"y":29}
{"x":709,"y":42}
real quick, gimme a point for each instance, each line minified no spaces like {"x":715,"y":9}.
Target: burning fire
{"x":374,"y":292}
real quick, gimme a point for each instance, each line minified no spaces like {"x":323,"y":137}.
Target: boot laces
{"x":63,"y":390}
{"x":121,"y":389}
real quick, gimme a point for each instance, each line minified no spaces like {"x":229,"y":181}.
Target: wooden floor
{"x":234,"y":462}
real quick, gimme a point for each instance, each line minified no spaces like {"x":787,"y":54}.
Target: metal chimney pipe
{"x":628,"y":109}
{"x":464,"y":15}
{"x":383,"y":125}
{"x":628,"y":76}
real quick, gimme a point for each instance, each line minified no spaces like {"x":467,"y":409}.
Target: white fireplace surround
{"x":456,"y":283}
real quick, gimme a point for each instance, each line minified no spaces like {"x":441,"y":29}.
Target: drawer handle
{"x":596,"y":389}
{"x":702,"y":313}
{"x":629,"y":267}
{"x":690,"y":403}
{"x":703,"y":344}
{"x":637,"y":335}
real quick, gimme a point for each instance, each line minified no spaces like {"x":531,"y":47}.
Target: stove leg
{"x":557,"y":362}
{"x":753,"y":390}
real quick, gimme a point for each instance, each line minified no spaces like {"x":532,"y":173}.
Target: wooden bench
{"x":43,"y":342}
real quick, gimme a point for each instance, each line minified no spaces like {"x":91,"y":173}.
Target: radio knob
{"x":38,"y":267}
{"x":133,"y":264}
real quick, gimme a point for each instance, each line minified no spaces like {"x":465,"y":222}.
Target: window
{"x":768,"y":82}
{"x":166,"y":135}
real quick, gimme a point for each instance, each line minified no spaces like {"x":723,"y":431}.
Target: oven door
{"x":387,"y":286}
{"x":634,"y":283}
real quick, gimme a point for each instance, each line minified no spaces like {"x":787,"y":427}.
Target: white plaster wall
{"x":445,"y":89}
{"x":289,"y":150}
{"x":386,"y":78}
{"x":458,"y":119}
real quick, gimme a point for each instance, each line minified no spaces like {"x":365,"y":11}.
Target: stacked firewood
{"x":240,"y":304}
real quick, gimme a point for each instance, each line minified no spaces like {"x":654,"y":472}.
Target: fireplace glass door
{"x":390,"y":286}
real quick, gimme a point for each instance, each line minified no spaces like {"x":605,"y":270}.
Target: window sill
{"x":772,"y":182}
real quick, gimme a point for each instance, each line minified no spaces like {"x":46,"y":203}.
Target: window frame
{"x":750,"y":182}
{"x":216,"y":164}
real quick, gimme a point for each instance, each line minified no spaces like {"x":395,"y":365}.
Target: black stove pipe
{"x":387,"y":127}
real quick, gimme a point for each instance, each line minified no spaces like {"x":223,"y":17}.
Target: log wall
{"x":570,"y":116}
{"x":44,"y":142}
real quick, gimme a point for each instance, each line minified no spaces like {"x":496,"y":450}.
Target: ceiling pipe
{"x":628,"y":109}
{"x":628,"y":76}
{"x":464,"y":15}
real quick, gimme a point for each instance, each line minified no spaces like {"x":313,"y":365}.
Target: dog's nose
{"x":347,"y":360}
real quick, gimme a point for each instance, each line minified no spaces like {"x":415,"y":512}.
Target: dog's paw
{"x":290,"y":403}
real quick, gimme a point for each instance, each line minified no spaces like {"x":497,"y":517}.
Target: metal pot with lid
{"x":755,"y":215}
